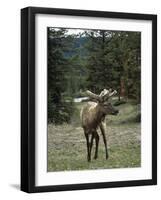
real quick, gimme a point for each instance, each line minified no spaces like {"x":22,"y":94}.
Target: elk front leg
{"x":102,"y":128}
{"x":96,"y":136}
{"x":88,"y":147}
{"x":91,"y":144}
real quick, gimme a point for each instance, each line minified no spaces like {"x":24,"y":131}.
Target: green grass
{"x":67,"y":145}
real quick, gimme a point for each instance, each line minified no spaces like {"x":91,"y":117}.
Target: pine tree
{"x":59,"y":110}
{"x":114,"y":61}
{"x":99,"y":69}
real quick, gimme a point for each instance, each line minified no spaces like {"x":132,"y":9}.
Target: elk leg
{"x":97,"y":142}
{"x":102,"y":128}
{"x":88,"y":150}
{"x":91,"y":144}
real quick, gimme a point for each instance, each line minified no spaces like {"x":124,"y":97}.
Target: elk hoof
{"x":89,"y":159}
{"x":107,"y":157}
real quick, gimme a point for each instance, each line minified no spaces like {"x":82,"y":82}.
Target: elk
{"x":93,"y":117}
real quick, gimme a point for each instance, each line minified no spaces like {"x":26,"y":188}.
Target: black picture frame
{"x":28,"y":98}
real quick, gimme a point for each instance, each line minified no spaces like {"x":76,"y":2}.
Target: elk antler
{"x":106,"y":94}
{"x":113,"y":93}
{"x":93,"y":96}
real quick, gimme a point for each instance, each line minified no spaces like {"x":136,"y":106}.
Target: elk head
{"x":102,"y":101}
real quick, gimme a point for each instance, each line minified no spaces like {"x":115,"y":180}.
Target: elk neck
{"x":99,"y":116}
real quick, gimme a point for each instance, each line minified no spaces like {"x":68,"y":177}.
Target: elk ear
{"x":93,"y":96}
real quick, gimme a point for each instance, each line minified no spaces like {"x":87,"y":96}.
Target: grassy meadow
{"x":67,"y":144}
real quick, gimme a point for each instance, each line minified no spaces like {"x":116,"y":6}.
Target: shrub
{"x":117,"y":103}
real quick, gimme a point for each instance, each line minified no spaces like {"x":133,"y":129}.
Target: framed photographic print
{"x":88,"y":99}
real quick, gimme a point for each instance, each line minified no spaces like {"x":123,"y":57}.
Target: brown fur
{"x":91,"y":116}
